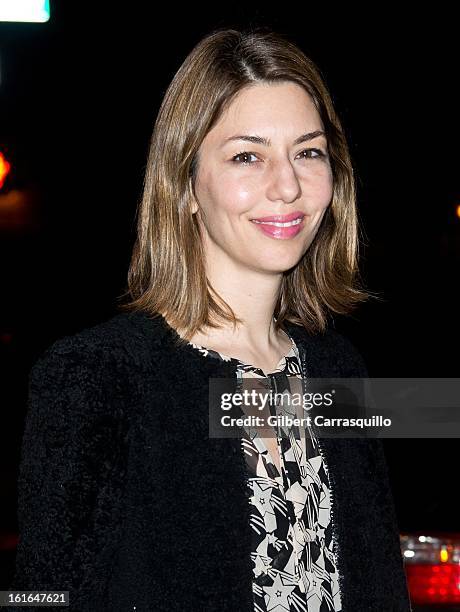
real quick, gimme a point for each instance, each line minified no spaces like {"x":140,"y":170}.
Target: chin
{"x":279,"y":267}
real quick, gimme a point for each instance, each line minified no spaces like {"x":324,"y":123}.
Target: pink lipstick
{"x":281,"y":226}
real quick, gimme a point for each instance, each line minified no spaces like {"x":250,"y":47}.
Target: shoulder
{"x":343,"y":351}
{"x":118,"y":343}
{"x":331,"y":351}
{"x":93,"y":370}
{"x":85,"y":377}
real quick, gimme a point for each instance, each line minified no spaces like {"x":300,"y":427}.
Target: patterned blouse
{"x":294,"y":567}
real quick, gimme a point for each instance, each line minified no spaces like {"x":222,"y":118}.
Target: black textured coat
{"x":126,"y":502}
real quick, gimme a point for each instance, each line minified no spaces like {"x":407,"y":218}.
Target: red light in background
{"x":434,"y":584}
{"x":5,"y":167}
{"x":8,"y":541}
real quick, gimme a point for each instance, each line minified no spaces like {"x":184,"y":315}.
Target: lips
{"x":281,"y":226}
{"x":281,"y":219}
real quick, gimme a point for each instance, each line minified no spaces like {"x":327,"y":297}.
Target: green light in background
{"x":36,"y":11}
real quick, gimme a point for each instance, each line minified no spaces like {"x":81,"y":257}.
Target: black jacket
{"x":125,"y":500}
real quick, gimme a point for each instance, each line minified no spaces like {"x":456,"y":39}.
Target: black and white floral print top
{"x":294,"y":566}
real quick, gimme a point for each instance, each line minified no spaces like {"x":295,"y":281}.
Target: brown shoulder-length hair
{"x":167,"y":269}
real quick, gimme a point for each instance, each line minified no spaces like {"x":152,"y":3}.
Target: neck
{"x":252,"y":296}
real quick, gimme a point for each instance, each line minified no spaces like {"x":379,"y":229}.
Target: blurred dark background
{"x":79,"y":96}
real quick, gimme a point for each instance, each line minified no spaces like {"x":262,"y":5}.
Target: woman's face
{"x":241,"y":182}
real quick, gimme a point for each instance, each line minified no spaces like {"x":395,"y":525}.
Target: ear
{"x":194,"y":208}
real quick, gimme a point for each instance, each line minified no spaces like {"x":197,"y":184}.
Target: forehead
{"x":269,"y":109}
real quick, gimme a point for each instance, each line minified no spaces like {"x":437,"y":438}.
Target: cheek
{"x":230,"y":196}
{"x":321,"y":191}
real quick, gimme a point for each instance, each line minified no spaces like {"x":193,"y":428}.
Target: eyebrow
{"x":266,"y":141}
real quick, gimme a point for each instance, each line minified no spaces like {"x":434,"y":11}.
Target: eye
{"x":247,"y":154}
{"x":318,"y":152}
{"x":243,"y":153}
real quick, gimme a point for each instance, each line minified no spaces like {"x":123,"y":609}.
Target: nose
{"x":283,"y":183}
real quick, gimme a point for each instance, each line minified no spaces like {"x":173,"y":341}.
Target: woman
{"x":247,"y":244}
